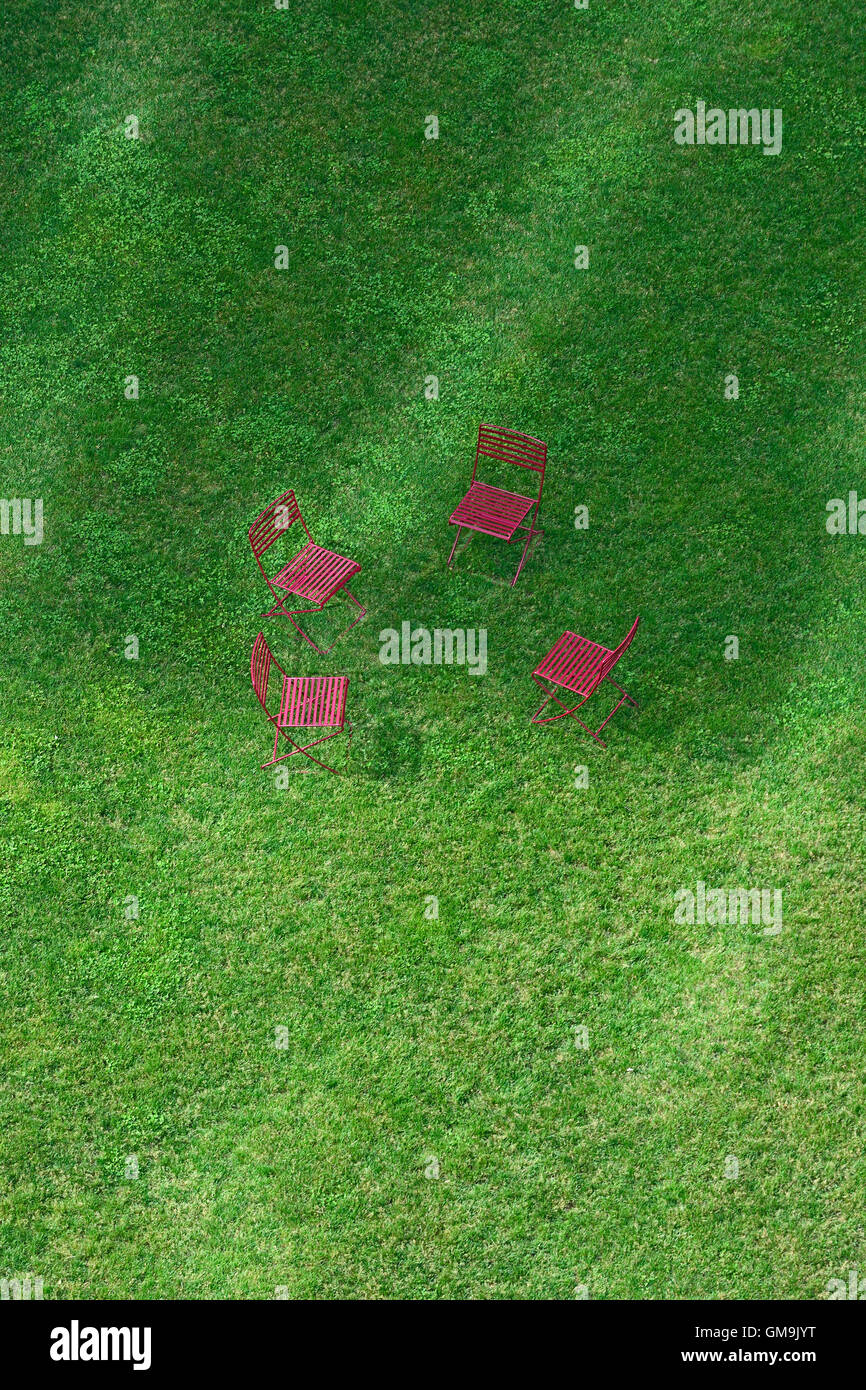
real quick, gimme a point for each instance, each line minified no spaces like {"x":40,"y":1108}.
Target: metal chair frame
{"x":494,"y":511}
{"x":314,"y":574}
{"x":574,"y":663}
{"x":306,"y":702}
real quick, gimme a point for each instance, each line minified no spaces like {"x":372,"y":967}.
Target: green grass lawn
{"x":310,"y":1166}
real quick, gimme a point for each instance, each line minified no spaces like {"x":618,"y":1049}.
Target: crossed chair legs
{"x":299,"y":748}
{"x":594,"y":732}
{"x":291,"y":614}
{"x":533,"y":532}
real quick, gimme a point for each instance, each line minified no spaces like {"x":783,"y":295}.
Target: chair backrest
{"x":260,"y":669}
{"x":610,"y":661}
{"x":508,"y":446}
{"x":274,"y":521}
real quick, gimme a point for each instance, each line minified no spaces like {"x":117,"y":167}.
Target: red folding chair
{"x":306,"y":702}
{"x":579,"y":665}
{"x":492,"y":510}
{"x":314,"y":574}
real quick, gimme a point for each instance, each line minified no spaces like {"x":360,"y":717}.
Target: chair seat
{"x":574,"y":663}
{"x":313,"y":702}
{"x":315,"y":573}
{"x":492,"y":510}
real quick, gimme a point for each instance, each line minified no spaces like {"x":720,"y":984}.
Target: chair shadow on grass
{"x":387,"y":747}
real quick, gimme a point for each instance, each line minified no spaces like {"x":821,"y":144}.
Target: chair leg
{"x":280,"y":609}
{"x":552,"y":718}
{"x":453,"y":548}
{"x":532,"y":534}
{"x":615,"y":708}
{"x":567,"y":712}
{"x":361,"y":614}
{"x":323,"y":651}
{"x":292,"y":614}
{"x":535,"y":719}
{"x":591,"y":732}
{"x":298,"y":748}
{"x":622,"y":692}
{"x":555,"y":698}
